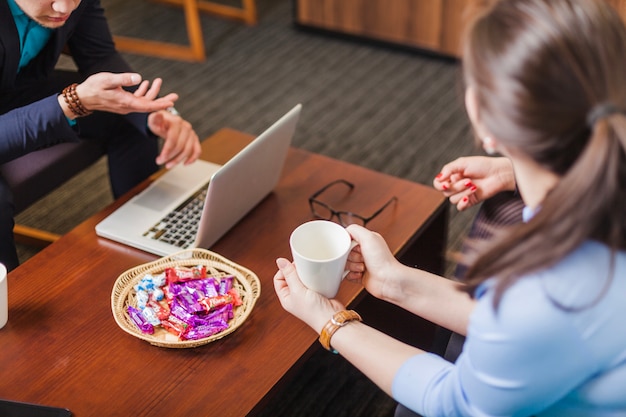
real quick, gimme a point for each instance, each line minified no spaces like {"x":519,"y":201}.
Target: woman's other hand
{"x":467,"y":181}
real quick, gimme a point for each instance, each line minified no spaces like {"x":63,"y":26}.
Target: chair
{"x":195,"y":51}
{"x":36,"y":174}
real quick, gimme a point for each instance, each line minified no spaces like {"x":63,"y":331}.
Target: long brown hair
{"x":550,"y":82}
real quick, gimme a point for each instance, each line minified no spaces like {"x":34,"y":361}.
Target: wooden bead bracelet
{"x":73,"y":102}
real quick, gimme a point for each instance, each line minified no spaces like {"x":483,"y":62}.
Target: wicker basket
{"x":123,"y":294}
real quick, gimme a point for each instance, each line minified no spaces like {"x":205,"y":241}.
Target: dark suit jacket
{"x":40,"y":122}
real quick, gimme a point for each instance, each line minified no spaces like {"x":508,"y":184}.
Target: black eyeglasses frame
{"x":341,"y":215}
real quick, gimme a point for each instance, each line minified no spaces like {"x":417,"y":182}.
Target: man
{"x":41,"y":106}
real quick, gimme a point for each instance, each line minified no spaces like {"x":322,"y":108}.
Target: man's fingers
{"x":141,"y":90}
{"x":112,"y":81}
{"x":186,"y":153}
{"x":154,"y":89}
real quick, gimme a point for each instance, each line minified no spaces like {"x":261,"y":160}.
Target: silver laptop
{"x":193,"y":206}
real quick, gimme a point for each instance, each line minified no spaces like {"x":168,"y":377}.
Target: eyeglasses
{"x":326,"y":212}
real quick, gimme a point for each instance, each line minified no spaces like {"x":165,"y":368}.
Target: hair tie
{"x":600,"y":111}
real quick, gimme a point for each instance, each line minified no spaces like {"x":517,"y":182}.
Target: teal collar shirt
{"x":33,"y":37}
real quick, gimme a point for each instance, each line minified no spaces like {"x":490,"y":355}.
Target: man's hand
{"x":104,"y":92}
{"x":181,"y":141}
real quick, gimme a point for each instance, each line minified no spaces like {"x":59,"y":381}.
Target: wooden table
{"x":62,"y":347}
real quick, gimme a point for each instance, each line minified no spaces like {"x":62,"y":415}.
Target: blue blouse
{"x":555,"y":347}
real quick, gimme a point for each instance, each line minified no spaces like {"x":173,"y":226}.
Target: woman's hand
{"x":467,"y":181}
{"x":312,"y":308}
{"x":373,"y":265}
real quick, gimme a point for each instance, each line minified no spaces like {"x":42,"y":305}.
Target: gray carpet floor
{"x":385,"y":108}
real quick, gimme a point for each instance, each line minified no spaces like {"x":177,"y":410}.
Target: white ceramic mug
{"x":320,"y":250}
{"x":4,"y":297}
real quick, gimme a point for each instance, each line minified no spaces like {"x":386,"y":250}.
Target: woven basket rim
{"x":247,"y":281}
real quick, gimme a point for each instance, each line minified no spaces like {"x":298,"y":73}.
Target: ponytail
{"x":550,"y":82}
{"x":588,"y":202}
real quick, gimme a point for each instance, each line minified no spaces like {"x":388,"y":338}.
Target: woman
{"x":543,"y":306}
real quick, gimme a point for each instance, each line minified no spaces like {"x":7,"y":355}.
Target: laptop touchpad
{"x":160,"y":195}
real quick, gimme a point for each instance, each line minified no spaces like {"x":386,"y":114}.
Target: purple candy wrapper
{"x":199,"y":332}
{"x":140,"y":321}
{"x":189,"y":302}
{"x":200,"y":288}
{"x":224,"y":312}
{"x":179,"y":311}
{"x":226,"y":283}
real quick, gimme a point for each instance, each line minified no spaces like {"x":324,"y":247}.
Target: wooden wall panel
{"x":410,"y":22}
{"x":453,"y":21}
{"x":405,"y":21}
{"x":431,"y":24}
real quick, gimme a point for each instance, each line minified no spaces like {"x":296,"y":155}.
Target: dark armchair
{"x":36,"y":174}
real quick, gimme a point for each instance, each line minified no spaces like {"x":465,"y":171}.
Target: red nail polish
{"x":439,"y":175}
{"x":468,"y":184}
{"x":474,"y":188}
{"x":444,"y":186}
{"x":465,"y":199}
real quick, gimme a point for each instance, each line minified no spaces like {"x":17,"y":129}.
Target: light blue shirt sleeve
{"x":548,"y":350}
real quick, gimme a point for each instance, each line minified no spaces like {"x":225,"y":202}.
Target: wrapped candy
{"x":185,"y":302}
{"x":175,"y":326}
{"x":157,"y":294}
{"x":151,"y":316}
{"x":142,"y":298}
{"x":140,"y":321}
{"x":204,"y":287}
{"x":159,"y":280}
{"x":161,"y":309}
{"x":226,"y":283}
{"x":210,"y":303}
{"x":181,"y":273}
{"x":224,"y":313}
{"x":199,"y":332}
{"x":180,"y":312}
{"x":236,"y":297}
{"x":190,"y":302}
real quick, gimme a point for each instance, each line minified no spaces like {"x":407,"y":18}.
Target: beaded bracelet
{"x":339,"y":319}
{"x":73,"y":102}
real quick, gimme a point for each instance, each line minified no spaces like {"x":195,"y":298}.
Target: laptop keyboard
{"x":180,"y":226}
